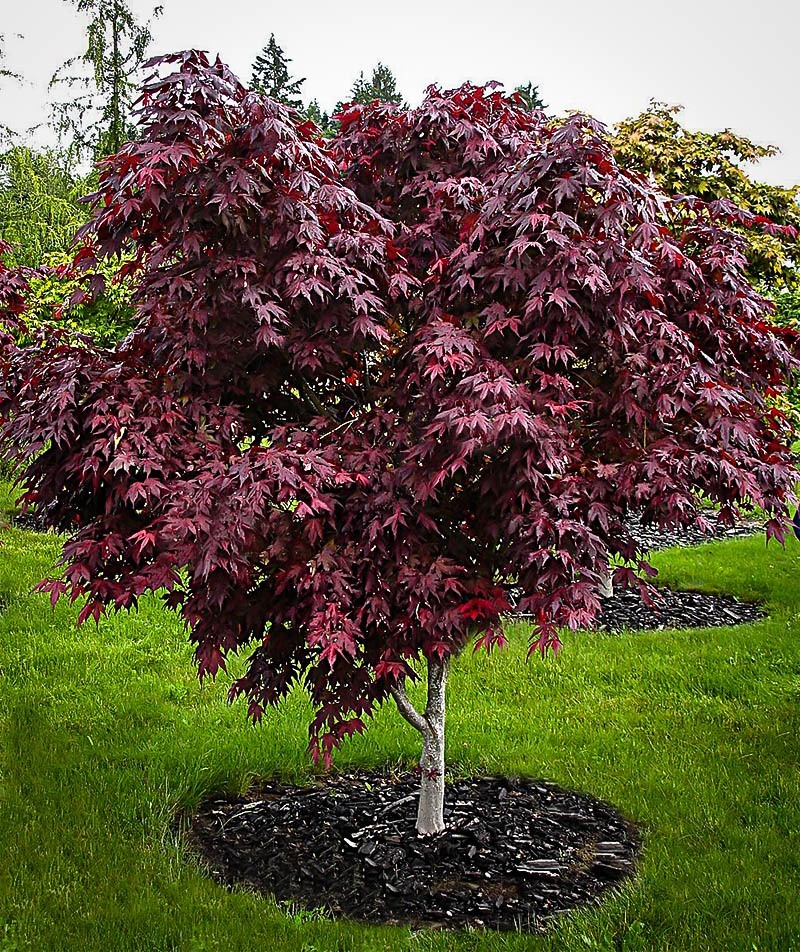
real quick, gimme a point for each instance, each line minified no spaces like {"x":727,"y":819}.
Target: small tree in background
{"x":381,"y":86}
{"x":58,"y":290}
{"x":321,"y":119}
{"x":97,"y":117}
{"x":6,"y":133}
{"x":40,"y":211}
{"x":530,"y":96}
{"x":375,"y":387}
{"x":39,"y":204}
{"x":271,"y":76}
{"x":713,"y":165}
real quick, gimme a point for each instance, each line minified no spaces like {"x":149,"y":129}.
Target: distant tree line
{"x":272,"y":77}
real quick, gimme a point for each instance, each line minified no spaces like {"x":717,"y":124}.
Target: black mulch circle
{"x":626,"y":610}
{"x":652,"y":538}
{"x":515,"y":853}
{"x":29,"y":521}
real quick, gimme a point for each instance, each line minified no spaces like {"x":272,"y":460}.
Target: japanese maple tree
{"x":380,"y":384}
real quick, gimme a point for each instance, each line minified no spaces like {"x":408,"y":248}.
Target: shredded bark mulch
{"x":652,"y":538}
{"x":27,"y":520}
{"x":625,"y":610}
{"x":515,"y":853}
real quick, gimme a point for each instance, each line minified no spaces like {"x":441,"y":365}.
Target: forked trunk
{"x":430,"y":812}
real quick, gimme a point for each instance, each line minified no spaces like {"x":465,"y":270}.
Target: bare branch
{"x":407,"y":709}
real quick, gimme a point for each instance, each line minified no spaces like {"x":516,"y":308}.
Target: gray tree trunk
{"x":430,"y":812}
{"x":607,"y":585}
{"x":430,"y":815}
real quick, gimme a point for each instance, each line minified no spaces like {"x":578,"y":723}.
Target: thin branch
{"x":407,"y":709}
{"x":311,"y":397}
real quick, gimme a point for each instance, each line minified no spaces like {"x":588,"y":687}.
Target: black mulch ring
{"x":626,"y":610}
{"x":515,"y":853}
{"x":652,"y":538}
{"x":30,"y":521}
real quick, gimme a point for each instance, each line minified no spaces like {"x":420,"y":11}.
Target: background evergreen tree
{"x":530,"y":96}
{"x":327,"y":126}
{"x":382,"y":85}
{"x":6,"y":133}
{"x":271,"y":76}
{"x":97,"y":121}
{"x":39,"y":204}
{"x":40,"y":211}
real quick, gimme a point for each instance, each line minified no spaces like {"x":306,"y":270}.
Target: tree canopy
{"x":530,"y":96}
{"x":39,"y":204}
{"x":40,"y":211}
{"x":380,"y":385}
{"x":327,"y":126}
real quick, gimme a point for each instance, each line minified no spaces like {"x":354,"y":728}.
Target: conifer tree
{"x":98,"y":119}
{"x":6,"y":133}
{"x":381,"y":86}
{"x":322,"y":119}
{"x":39,"y":204}
{"x":271,"y":76}
{"x":530,"y":97}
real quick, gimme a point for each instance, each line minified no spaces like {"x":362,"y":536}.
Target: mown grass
{"x":105,"y":734}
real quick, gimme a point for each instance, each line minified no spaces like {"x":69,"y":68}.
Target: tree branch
{"x":407,"y":709}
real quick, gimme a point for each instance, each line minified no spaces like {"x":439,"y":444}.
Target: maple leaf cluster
{"x":13,"y":289}
{"x":380,"y":385}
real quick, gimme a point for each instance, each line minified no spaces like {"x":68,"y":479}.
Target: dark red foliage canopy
{"x":379,"y":383}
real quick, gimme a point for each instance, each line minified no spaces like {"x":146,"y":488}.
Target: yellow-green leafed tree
{"x":713,"y":165}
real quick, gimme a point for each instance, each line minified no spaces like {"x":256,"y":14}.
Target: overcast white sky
{"x":731,"y":63}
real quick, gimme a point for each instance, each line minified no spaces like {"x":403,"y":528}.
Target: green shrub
{"x":106,"y":319}
{"x":40,"y":208}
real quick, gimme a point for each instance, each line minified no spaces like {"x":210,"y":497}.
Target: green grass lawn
{"x":105,"y":734}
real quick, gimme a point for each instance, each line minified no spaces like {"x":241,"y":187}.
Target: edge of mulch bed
{"x":625,"y":611}
{"x":27,"y":521}
{"x":653,"y":538}
{"x":516,"y":854}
